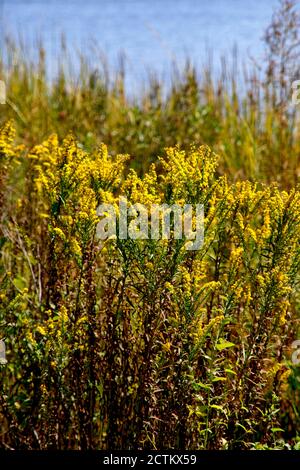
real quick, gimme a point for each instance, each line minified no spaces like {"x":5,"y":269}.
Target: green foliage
{"x":139,"y":344}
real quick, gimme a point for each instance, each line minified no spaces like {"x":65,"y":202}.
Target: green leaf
{"x":230,"y":371}
{"x":217,"y":407}
{"x":224,"y":344}
{"x":202,"y":385}
{"x":19,"y":282}
{"x":241,"y":426}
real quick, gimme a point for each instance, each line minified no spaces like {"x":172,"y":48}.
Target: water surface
{"x":150,"y":33}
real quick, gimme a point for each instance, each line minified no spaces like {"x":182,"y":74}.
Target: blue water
{"x":151,"y":33}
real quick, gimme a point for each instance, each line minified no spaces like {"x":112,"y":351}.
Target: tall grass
{"x":242,"y":116}
{"x":130,"y":344}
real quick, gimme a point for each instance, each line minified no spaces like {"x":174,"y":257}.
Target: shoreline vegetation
{"x":141,"y":344}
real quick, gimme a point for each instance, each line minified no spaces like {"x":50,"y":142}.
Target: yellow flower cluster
{"x":72,"y":183}
{"x":215,"y":310}
{"x":189,"y":174}
{"x":7,"y":134}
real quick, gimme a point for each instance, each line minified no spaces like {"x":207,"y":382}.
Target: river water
{"x":151,"y":34}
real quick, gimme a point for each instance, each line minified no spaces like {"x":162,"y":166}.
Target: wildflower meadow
{"x":138,"y":342}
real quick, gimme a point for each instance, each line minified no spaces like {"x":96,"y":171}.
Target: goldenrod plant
{"x":140,"y":342}
{"x":123,"y":343}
